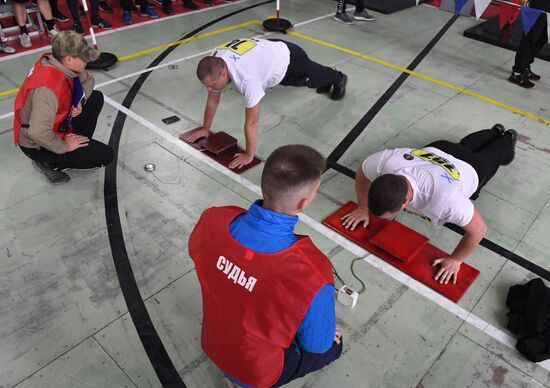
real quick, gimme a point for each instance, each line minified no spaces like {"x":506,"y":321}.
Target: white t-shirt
{"x":441,"y":183}
{"x":254,"y":65}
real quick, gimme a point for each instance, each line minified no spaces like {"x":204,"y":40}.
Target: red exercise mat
{"x":221,"y":147}
{"x":418,"y":267}
{"x":410,"y":242}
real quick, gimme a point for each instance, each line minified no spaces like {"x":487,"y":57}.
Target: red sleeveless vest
{"x":53,"y":79}
{"x":253,"y":303}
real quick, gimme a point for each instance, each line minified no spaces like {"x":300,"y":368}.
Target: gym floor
{"x":64,"y":321}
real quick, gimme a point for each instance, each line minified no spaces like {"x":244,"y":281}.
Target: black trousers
{"x":302,"y":71}
{"x":96,"y":154}
{"x":531,"y":44}
{"x":75,"y":12}
{"x":299,"y":365}
{"x":127,"y":5}
{"x":359,"y":6}
{"x":483,"y":150}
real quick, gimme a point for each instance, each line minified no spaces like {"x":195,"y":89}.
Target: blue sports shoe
{"x":149,"y":13}
{"x":126,"y":17}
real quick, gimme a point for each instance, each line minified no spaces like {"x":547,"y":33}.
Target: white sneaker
{"x":4,"y":48}
{"x":25,"y":40}
{"x":53,"y":32}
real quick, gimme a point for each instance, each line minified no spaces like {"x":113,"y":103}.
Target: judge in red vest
{"x":268,"y":294}
{"x":56,"y":111}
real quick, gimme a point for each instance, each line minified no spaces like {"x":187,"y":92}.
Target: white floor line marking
{"x":103,"y":33}
{"x":499,"y":335}
{"x":5,"y":116}
{"x":139,"y":72}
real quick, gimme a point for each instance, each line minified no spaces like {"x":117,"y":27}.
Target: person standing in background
{"x":359,"y":14}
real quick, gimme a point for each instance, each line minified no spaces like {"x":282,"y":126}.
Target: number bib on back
{"x":238,"y":46}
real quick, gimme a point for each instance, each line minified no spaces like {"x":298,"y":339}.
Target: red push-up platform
{"x":403,"y":248}
{"x":221,"y":147}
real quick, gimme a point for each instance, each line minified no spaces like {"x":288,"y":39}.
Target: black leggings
{"x":127,"y":5}
{"x":483,"y":150}
{"x":298,"y":365}
{"x":302,"y":71}
{"x":96,"y":154}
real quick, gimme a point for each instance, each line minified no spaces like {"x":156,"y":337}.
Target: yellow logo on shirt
{"x":238,"y":46}
{"x":438,"y":161}
{"x":427,"y":219}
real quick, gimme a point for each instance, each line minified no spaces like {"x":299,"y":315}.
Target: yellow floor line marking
{"x":175,"y":43}
{"x":424,"y":77}
{"x":8,"y":92}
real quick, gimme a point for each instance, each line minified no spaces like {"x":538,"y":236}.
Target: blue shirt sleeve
{"x":316,"y":332}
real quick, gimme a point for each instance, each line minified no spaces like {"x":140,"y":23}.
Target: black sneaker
{"x":512,"y":153}
{"x":56,"y":177}
{"x":324,"y":89}
{"x":532,"y":76}
{"x":105,"y":7}
{"x":60,"y":17}
{"x":364,"y":15}
{"x":77,"y":27}
{"x":499,"y":128}
{"x":343,"y":17}
{"x":100,"y":23}
{"x":189,"y":4}
{"x":521,"y":80}
{"x":339,"y":89}
{"x":168,"y":10}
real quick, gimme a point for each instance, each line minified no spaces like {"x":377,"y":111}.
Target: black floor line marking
{"x":343,"y":146}
{"x":159,"y":358}
{"x":501,"y":251}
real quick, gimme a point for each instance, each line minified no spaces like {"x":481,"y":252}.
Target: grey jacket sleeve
{"x":44,"y":108}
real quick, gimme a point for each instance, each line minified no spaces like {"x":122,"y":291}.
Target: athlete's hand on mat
{"x":449,"y":269}
{"x":337,"y":335}
{"x":351,"y":220}
{"x":75,"y":141}
{"x":76,"y":110}
{"x":198,"y":134}
{"x":240,"y":160}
